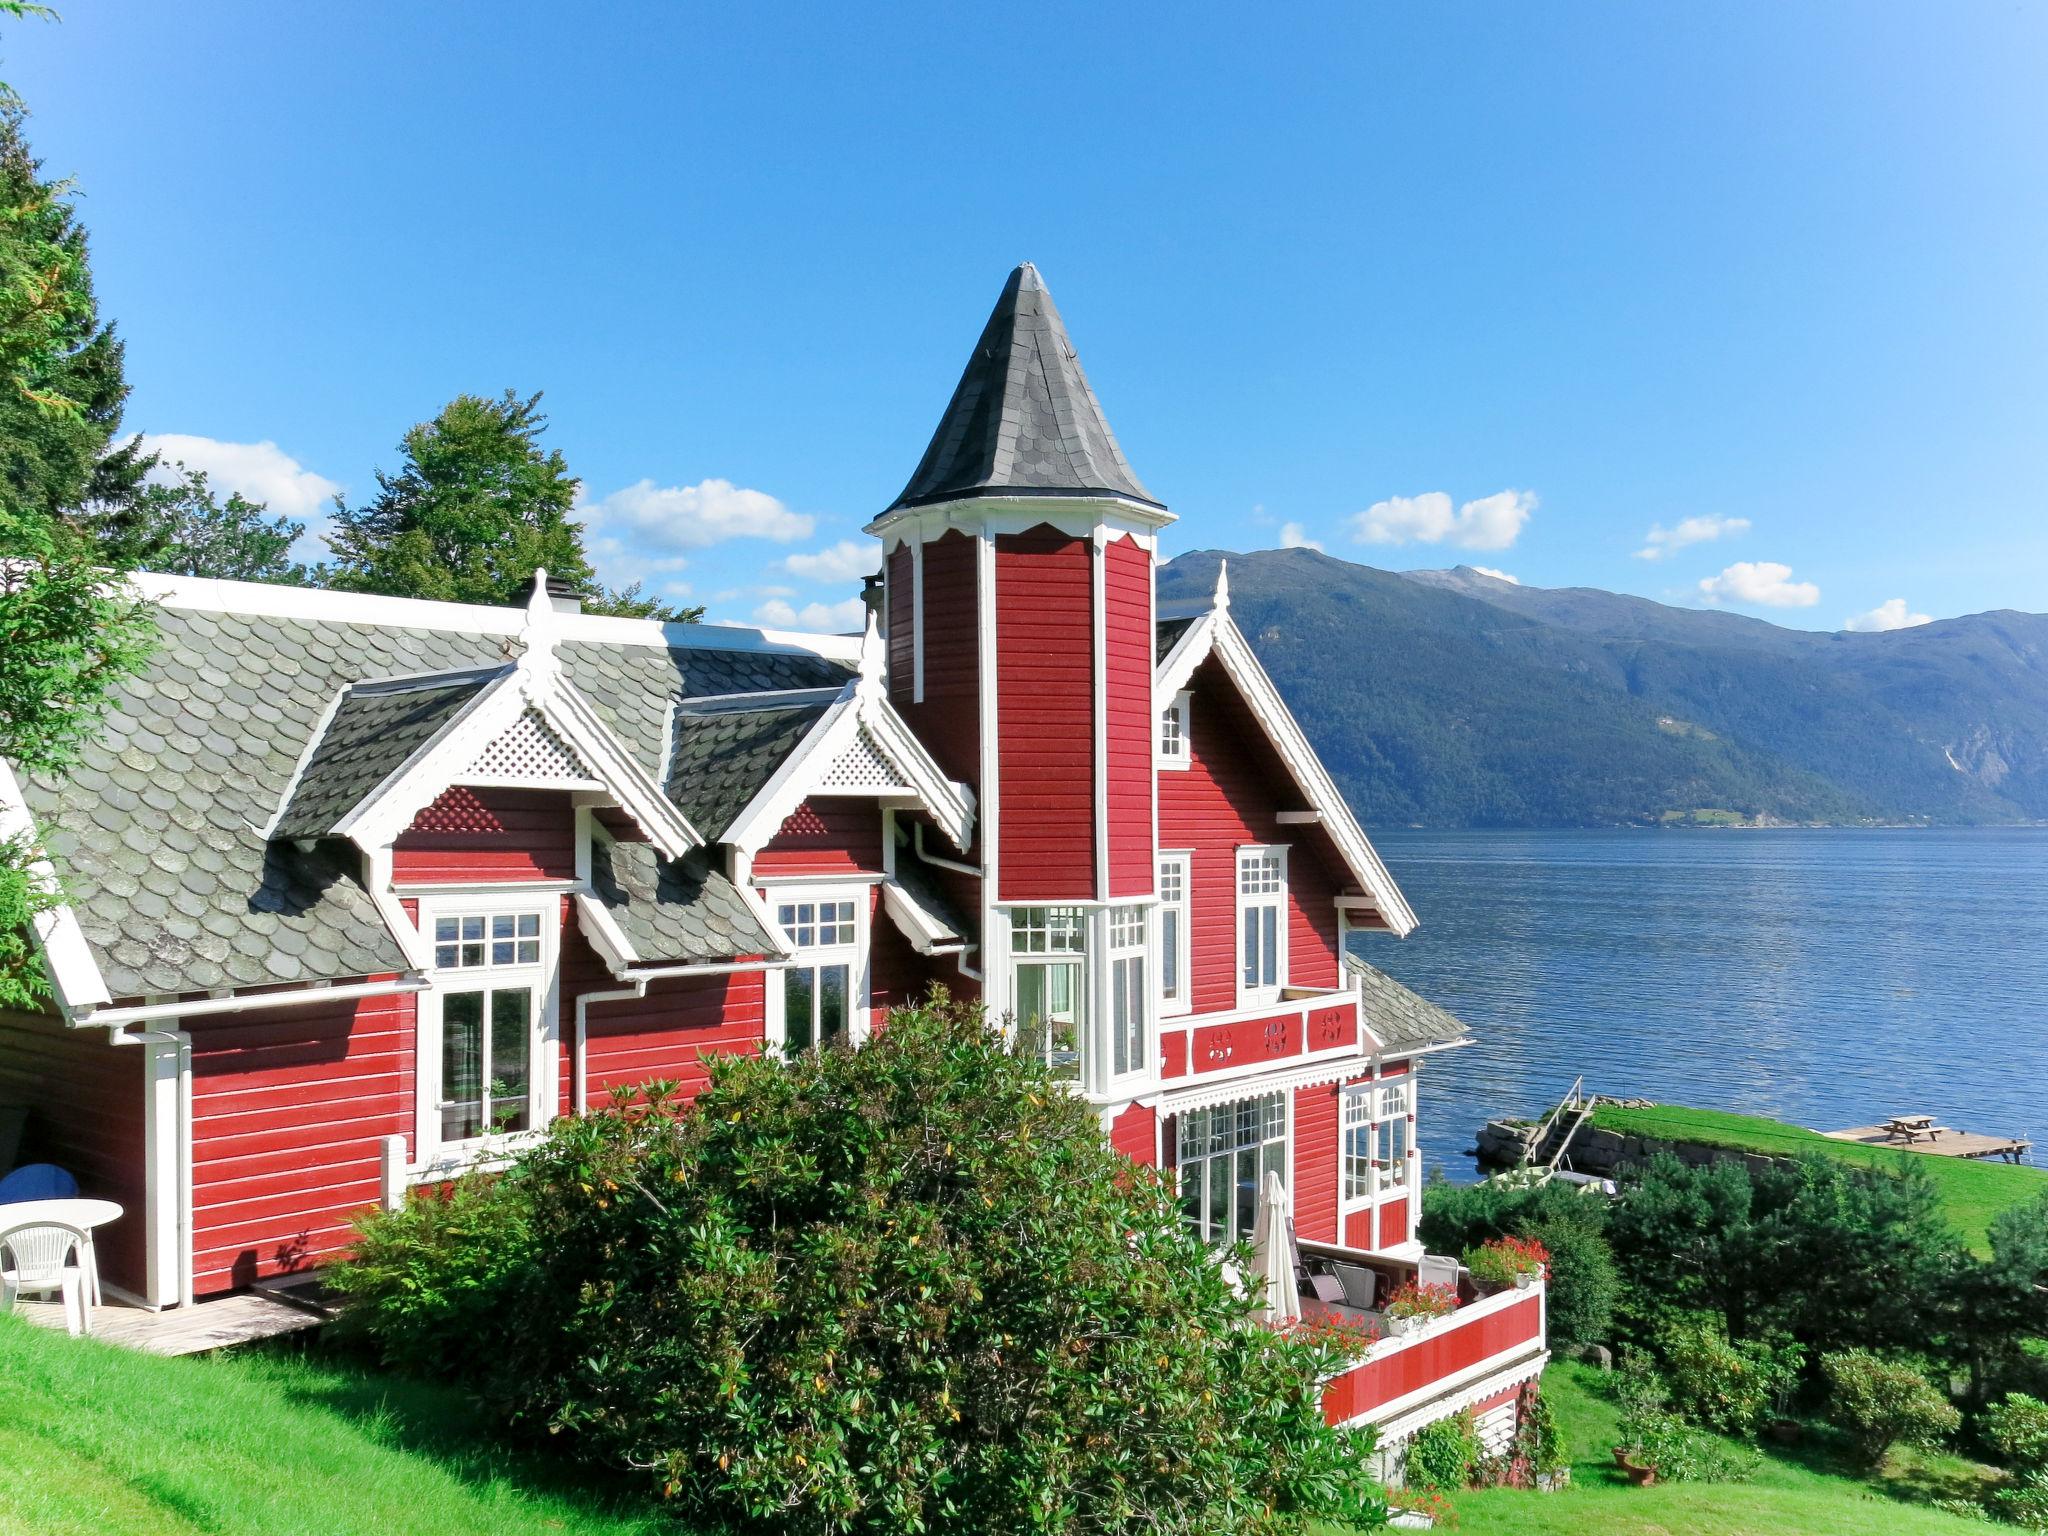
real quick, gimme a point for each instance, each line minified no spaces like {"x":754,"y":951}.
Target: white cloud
{"x":639,"y":532}
{"x":260,"y":471}
{"x":827,"y":618}
{"x":1890,"y":614}
{"x":1294,"y":536}
{"x":844,"y":561}
{"x":1661,"y":541}
{"x":1487,"y":570}
{"x":1761,"y":583}
{"x":1491,"y":522}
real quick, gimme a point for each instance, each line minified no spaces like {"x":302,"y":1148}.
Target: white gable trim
{"x":67,"y":958}
{"x":916,"y":924}
{"x":858,"y":709}
{"x":1216,"y":634}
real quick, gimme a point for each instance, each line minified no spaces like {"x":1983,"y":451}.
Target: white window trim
{"x":1143,"y":952}
{"x":1377,"y":1120}
{"x":855,"y":955}
{"x":1180,"y":710}
{"x":1350,"y":1094}
{"x":545,"y":978}
{"x":1174,"y":1007}
{"x":1259,"y":997}
{"x":1288,"y":1117}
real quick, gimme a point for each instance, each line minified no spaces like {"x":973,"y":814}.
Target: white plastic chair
{"x":36,"y":1260}
{"x":1432,"y":1270}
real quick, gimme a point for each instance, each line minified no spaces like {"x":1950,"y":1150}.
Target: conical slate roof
{"x":1023,"y":421}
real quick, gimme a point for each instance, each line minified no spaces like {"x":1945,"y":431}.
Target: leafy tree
{"x":184,"y":528}
{"x":900,"y":1288}
{"x":69,"y":631}
{"x":478,"y":506}
{"x":1584,"y":1282}
{"x":1995,"y":1307}
{"x":1882,"y":1403}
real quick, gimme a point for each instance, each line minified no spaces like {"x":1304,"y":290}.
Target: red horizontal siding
{"x":672,"y":1032}
{"x":1135,"y":1133}
{"x":1230,"y":795}
{"x":85,"y":1114}
{"x":900,"y":592}
{"x":825,"y":836}
{"x":1045,"y":716}
{"x":948,"y":722}
{"x":488,"y":834}
{"x":1315,"y":1163}
{"x":1127,"y":704}
{"x":1416,"y":1367}
{"x":288,"y":1108}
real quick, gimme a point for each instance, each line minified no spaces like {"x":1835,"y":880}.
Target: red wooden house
{"x":364,"y":890}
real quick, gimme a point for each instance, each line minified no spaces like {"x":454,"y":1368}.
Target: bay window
{"x":1373,"y":1149}
{"x":1225,"y":1154}
{"x":1261,"y":924}
{"x":1049,"y":948}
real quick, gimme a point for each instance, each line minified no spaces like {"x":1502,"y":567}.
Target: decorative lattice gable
{"x":530,"y":752}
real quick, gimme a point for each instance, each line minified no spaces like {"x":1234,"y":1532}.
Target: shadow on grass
{"x":441,"y":1424}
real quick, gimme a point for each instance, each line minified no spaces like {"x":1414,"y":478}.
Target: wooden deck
{"x":1948,"y":1144}
{"x":193,"y":1330}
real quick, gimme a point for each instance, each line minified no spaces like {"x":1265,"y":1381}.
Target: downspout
{"x":972,"y":973}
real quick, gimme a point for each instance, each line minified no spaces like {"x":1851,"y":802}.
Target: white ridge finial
{"x":1221,"y":602}
{"x":873,"y":655}
{"x":537,"y":637}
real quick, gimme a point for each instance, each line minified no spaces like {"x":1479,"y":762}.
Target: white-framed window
{"x":1175,"y":991}
{"x":1048,"y":958}
{"x":817,"y":999}
{"x":1261,"y":924}
{"x":1225,"y":1153}
{"x":1373,"y":1141}
{"x":1175,"y":746}
{"x":1128,"y":992}
{"x":484,"y":1020}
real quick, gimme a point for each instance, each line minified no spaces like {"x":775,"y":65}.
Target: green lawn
{"x":100,"y":1440}
{"x":1971,"y":1192}
{"x":1802,"y":1493}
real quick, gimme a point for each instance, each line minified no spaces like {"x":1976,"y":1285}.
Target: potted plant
{"x":1413,"y":1305}
{"x":1507,"y":1261}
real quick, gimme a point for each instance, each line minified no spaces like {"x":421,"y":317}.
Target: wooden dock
{"x":2011,"y":1149}
{"x":192,"y":1330}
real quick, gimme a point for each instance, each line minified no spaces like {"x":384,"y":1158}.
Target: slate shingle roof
{"x":157,"y":829}
{"x":1167,"y":633}
{"x":373,"y":730}
{"x":1399,"y":1017}
{"x":1022,"y":418}
{"x":674,"y":910}
{"x":722,"y":757}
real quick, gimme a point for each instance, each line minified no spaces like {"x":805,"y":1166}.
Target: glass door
{"x":486,"y":1062}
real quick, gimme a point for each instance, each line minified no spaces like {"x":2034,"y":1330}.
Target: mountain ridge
{"x":1451,"y":698}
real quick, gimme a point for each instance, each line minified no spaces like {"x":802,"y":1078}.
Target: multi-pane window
{"x":1173,"y":932}
{"x":1174,"y":748}
{"x":1225,"y":1155}
{"x":1126,"y":990}
{"x":487,"y":939}
{"x":1374,"y":1149}
{"x":1049,"y":946}
{"x":817,"y":989}
{"x":1262,"y":923}
{"x":486,"y":1055}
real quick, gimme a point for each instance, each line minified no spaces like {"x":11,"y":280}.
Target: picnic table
{"x":1910,"y":1128}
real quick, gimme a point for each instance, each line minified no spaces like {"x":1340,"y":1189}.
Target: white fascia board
{"x":1242,"y":663}
{"x":948,"y":802}
{"x":67,"y":958}
{"x":773,"y":802}
{"x":1079,"y":516}
{"x":1170,"y":677}
{"x":564,"y":707}
{"x":915,"y":923}
{"x":263,"y":600}
{"x":377,"y":819}
{"x":605,"y":935}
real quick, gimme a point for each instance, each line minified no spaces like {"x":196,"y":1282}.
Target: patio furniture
{"x":1910,"y":1128}
{"x":82,"y":1214}
{"x":37,"y":1181}
{"x":1327,"y":1289}
{"x":1432,"y":1269}
{"x":1358,"y":1284}
{"x":37,"y":1258}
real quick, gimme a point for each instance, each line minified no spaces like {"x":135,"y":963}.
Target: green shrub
{"x":2018,"y":1426}
{"x":2024,"y":1504}
{"x":905,"y":1287}
{"x":1733,"y":1388}
{"x":1443,"y":1455}
{"x":1882,"y":1403}
{"x":1571,"y":1224}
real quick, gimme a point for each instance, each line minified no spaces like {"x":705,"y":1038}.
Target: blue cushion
{"x":37,"y":1181}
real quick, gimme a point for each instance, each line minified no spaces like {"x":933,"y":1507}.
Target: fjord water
{"x":1825,"y":977}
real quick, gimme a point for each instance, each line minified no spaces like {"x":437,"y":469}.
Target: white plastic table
{"x":80,"y":1213}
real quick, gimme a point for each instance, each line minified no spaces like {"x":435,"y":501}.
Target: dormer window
{"x":1174,"y":748}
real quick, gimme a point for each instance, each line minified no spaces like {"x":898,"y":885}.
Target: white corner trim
{"x":1322,"y":794}
{"x":314,"y":605}
{"x":67,"y":958}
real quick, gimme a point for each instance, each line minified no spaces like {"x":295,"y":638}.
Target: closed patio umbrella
{"x":1273,"y":1253}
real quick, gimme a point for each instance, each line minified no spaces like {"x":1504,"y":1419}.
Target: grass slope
{"x":1971,"y":1192}
{"x":102,"y":1440}
{"x":1807,"y":1496}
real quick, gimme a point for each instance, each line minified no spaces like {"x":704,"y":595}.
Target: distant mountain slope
{"x":1450,"y":698}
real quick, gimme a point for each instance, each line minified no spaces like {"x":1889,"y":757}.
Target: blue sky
{"x":1501,"y":285}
